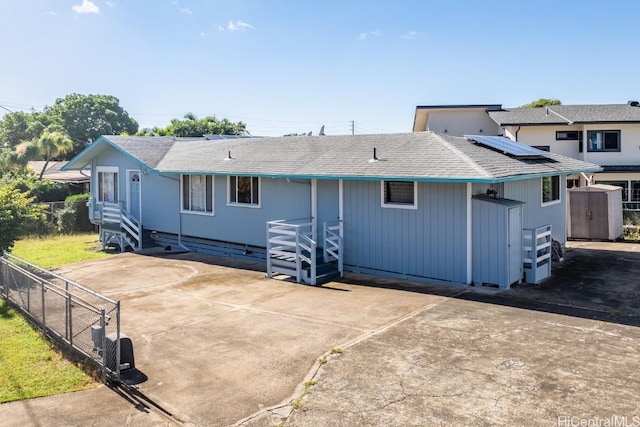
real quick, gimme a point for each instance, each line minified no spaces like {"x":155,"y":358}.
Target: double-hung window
{"x":603,"y":140}
{"x":550,"y":189}
{"x":107,"y":184}
{"x":399,"y":194}
{"x":197,"y":194}
{"x":244,"y":191}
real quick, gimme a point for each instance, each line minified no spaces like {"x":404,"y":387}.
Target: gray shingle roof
{"x":567,"y":114}
{"x":420,"y":156}
{"x":148,"y":150}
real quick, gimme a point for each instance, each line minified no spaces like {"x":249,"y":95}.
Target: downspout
{"x":179,"y":215}
{"x":516,"y":134}
{"x":469,"y":236}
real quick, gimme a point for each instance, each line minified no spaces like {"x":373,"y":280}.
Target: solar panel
{"x":507,"y":146}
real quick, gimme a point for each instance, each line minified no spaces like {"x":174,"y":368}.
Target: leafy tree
{"x":542,"y":102}
{"x":16,"y":212}
{"x":18,"y":127}
{"x":190,"y":125}
{"x":86,"y":117}
{"x":50,"y":145}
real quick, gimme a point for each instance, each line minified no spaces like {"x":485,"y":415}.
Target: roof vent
{"x":633,"y":103}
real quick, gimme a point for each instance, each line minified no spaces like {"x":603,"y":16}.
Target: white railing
{"x":114,"y":215}
{"x":289,"y":245}
{"x":333,"y":243}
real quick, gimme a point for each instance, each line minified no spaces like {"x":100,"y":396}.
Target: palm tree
{"x":50,"y":145}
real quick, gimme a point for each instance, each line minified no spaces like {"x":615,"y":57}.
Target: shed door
{"x":515,"y":244}
{"x":579,"y":207}
{"x":598,"y":219}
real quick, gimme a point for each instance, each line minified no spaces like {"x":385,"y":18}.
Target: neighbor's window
{"x":197,"y":194}
{"x":244,"y":190}
{"x":550,"y":189}
{"x":542,"y":147}
{"x":625,"y":188}
{"x":603,"y":140}
{"x":568,"y":135}
{"x":107,"y":184}
{"x":399,"y":194}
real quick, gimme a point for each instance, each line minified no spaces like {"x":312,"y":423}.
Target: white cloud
{"x":202,"y":34}
{"x":185,"y":11}
{"x":50,"y":13}
{"x":110,"y":3}
{"x":410,"y":35}
{"x":221,"y":28}
{"x":87,"y":6}
{"x":237,"y":26}
{"x":363,"y":36}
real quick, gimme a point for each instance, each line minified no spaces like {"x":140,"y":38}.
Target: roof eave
{"x":101,"y":140}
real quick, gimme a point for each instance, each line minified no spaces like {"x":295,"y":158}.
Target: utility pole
{"x":353,"y":127}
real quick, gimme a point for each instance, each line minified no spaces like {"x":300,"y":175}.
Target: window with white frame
{"x":197,"y":194}
{"x":603,"y":140}
{"x":550,"y":189}
{"x":399,"y":194}
{"x":107,"y":183}
{"x":244,"y":191}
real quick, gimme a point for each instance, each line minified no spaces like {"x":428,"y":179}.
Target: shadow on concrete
{"x":596,"y":280}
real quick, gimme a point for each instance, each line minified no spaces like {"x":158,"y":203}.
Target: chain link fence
{"x":85,"y":324}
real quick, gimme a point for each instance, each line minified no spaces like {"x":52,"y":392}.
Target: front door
{"x":133,"y":193}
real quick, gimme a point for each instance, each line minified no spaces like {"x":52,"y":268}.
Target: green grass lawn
{"x":56,"y":251}
{"x":29,"y":366}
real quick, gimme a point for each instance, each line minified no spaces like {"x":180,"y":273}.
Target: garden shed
{"x":595,"y":212}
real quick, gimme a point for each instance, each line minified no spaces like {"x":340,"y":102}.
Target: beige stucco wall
{"x":629,"y":153}
{"x":462,"y":122}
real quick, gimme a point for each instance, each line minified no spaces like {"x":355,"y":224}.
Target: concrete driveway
{"x":222,"y":345}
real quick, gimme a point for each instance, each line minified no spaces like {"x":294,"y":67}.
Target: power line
{"x":5,"y":108}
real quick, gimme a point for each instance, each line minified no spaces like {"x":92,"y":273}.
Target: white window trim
{"x":413,"y":206}
{"x":107,"y":169}
{"x":244,"y":205}
{"x":552,"y":202}
{"x":213,"y":199}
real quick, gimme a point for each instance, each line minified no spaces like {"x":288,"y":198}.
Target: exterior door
{"x":515,"y":244}
{"x":133,"y":193}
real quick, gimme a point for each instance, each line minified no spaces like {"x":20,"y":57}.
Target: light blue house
{"x":421,"y":206}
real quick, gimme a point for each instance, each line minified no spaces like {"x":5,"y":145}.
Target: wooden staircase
{"x":118,"y":227}
{"x":292,"y":251}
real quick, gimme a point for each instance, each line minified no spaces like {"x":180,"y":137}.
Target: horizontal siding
{"x":533,"y":213}
{"x":428,"y":242}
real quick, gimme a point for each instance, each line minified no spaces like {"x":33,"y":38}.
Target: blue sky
{"x":286,"y":66}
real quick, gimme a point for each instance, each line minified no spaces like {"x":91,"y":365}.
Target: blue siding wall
{"x":533,"y":213}
{"x":112,"y":157}
{"x":279,"y":199}
{"x":160,"y":202}
{"x":429,"y":242}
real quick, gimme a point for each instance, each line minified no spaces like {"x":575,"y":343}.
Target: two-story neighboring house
{"x":608,"y":135}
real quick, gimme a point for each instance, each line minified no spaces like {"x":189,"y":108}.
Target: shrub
{"x":74,"y":217}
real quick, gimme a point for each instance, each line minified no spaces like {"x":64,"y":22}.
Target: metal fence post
{"x":118,"y":339}
{"x":70,"y":319}
{"x":44,"y":323}
{"x":29,"y":295}
{"x":104,"y":345}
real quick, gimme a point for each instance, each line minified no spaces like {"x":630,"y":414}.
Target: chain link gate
{"x":75,"y":317}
